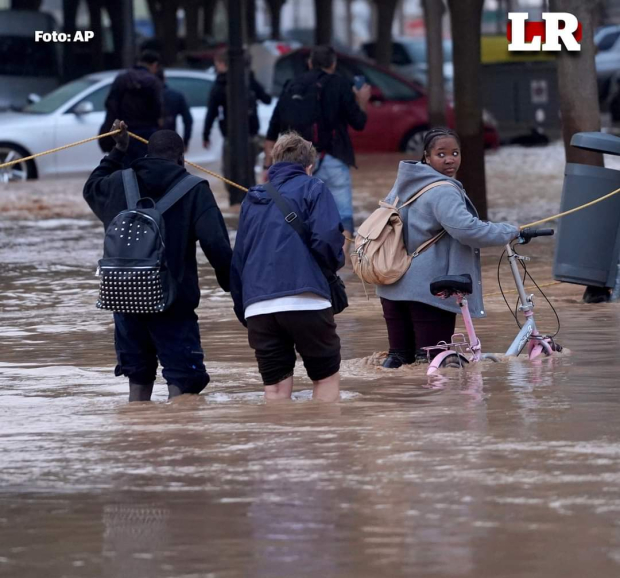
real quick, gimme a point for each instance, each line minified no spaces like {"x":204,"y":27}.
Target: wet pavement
{"x":501,"y":470}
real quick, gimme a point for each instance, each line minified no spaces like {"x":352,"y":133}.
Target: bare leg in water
{"x":327,"y":390}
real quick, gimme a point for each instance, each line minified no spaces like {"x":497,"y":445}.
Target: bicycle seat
{"x":452,"y":284}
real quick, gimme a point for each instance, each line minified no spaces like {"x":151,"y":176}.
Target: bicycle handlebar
{"x":528,"y":234}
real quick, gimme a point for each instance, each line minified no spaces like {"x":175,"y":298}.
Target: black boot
{"x":173,"y":391}
{"x":596,"y":294}
{"x":140,"y":392}
{"x":398,"y":357}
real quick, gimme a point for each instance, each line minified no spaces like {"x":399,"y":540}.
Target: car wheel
{"x":413,"y":143}
{"x":19,"y":171}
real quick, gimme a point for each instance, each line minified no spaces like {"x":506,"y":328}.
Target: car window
{"x":195,"y":90}
{"x":400,"y":56}
{"x":55,"y":99}
{"x":97,"y":98}
{"x":608,"y":41}
{"x":391,"y":87}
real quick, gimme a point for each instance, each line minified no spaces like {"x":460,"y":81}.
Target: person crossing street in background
{"x":321,"y":105}
{"x":136,"y":96}
{"x":175,"y":105}
{"x":217,"y":110}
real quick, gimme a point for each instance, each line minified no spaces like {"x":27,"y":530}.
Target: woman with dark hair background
{"x":414,"y":317}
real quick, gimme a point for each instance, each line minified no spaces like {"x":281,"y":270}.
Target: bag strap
{"x":130,"y":185}
{"x":426,"y":189}
{"x":132,"y":191}
{"x":186,"y":184}
{"x":441,"y":233}
{"x":428,"y":243}
{"x":292,"y":218}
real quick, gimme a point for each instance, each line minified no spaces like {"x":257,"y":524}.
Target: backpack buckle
{"x":290,"y":217}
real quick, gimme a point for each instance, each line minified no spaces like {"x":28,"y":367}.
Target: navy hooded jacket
{"x":270,"y":260}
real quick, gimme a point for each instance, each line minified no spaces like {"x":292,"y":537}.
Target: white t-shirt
{"x":302,"y":302}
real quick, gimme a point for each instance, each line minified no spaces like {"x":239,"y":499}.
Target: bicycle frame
{"x":528,"y":335}
{"x":459,"y":347}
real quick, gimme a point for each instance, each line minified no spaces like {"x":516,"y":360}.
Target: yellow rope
{"x":227,"y":181}
{"x":112,"y":133}
{"x":551,"y":283}
{"x":579,"y":208}
{"x":232,"y":184}
{"x":25,"y":159}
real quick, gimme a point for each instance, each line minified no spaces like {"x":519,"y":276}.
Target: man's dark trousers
{"x":172,"y":337}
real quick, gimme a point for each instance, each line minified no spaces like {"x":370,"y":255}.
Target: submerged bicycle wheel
{"x":454,"y":361}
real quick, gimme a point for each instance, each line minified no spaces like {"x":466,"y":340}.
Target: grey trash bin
{"x":588,"y":241}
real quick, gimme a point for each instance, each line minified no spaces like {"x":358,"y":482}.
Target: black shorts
{"x":274,"y":337}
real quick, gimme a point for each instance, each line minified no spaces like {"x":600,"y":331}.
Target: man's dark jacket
{"x":217,"y":105}
{"x":270,"y":259}
{"x":339,"y":111}
{"x":196,"y":217}
{"x":175,"y":105}
{"x":136,"y":97}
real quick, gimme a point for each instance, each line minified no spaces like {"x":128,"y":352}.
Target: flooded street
{"x":501,"y":470}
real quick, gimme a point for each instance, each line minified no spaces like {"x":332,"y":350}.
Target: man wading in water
{"x":170,"y":336}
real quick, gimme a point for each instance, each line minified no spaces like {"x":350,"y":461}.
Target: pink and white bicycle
{"x":464,"y":350}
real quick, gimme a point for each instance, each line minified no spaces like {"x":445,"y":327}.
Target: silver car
{"x":75,"y":111}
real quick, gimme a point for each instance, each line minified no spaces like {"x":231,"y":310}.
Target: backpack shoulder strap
{"x":177,"y":192}
{"x":441,"y":233}
{"x":428,"y":243}
{"x":426,"y":189}
{"x":132,"y":191}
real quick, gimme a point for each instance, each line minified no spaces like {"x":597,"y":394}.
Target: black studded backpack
{"x":134,"y":274}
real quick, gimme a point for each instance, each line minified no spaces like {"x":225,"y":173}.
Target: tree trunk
{"x":164,"y":16}
{"x":69,"y":9}
{"x":433,"y":15}
{"x":465,"y":17}
{"x":385,"y":16}
{"x":577,"y":84}
{"x":192,"y":25}
{"x":208,"y":14}
{"x":115,"y":12}
{"x":275,"y":9}
{"x":96,"y":44}
{"x":323,"y":16}
{"x":349,"y":22}
{"x":26,"y":5}
{"x":250,"y":21}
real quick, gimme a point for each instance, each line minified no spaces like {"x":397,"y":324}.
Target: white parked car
{"x":75,"y":111}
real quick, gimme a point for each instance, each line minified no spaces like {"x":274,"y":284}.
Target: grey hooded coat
{"x":458,"y":252}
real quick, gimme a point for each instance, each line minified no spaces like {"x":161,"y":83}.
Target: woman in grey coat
{"x":414,"y":317}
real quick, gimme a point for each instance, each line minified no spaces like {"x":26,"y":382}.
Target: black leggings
{"x":412,"y":325}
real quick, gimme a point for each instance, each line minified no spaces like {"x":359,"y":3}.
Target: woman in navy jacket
{"x":278,"y":288}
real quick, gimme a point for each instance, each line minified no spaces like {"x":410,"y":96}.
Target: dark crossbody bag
{"x":336,"y":285}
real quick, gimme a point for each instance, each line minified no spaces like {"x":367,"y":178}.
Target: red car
{"x":397,"y":114}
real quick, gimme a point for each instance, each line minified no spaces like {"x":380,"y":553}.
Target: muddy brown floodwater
{"x":503,"y":470}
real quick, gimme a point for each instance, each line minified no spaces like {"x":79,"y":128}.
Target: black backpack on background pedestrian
{"x":301,"y":108}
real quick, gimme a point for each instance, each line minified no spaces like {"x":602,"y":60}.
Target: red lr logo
{"x":546,"y":36}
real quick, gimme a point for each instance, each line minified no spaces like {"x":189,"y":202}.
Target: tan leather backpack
{"x":380,"y":255}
